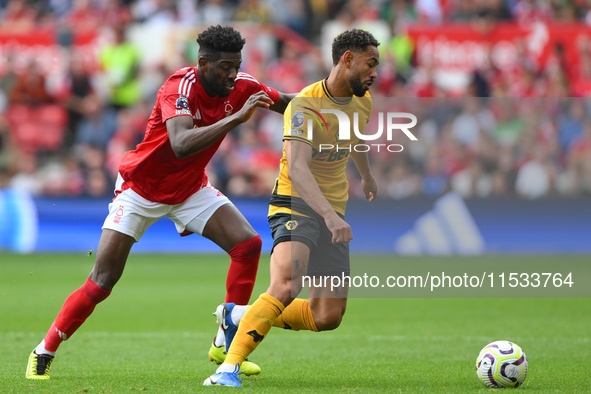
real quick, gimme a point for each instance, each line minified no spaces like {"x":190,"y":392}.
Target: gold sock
{"x":297,"y":316}
{"x":254,"y":326}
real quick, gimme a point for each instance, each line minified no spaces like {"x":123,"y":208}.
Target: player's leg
{"x":327,"y":312}
{"x":294,"y":238}
{"x":129,"y":217}
{"x":258,"y":319}
{"x":328,"y":300}
{"x":322,"y":312}
{"x":230,"y":230}
{"x":319,"y":313}
{"x":315,"y":314}
{"x":327,"y":304}
{"x":112,"y":254}
{"x":212,"y":215}
{"x":288,"y":261}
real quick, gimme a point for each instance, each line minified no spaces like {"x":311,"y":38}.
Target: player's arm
{"x":281,"y":104}
{"x":368,"y":182}
{"x":186,"y":140}
{"x":299,"y":157}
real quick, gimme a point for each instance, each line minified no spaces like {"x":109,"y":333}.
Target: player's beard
{"x":223,"y":92}
{"x":222,"y":89}
{"x":357,"y":86}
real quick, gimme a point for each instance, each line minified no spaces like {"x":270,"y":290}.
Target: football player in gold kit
{"x":307,"y":207}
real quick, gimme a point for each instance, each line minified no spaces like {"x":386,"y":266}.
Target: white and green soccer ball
{"x":501,"y":364}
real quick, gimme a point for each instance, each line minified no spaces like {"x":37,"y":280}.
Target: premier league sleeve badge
{"x":182,"y":102}
{"x":182,"y":105}
{"x":297,"y":120}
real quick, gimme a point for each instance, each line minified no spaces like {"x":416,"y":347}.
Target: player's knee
{"x":105,"y":282}
{"x":281,"y":291}
{"x":105,"y":279}
{"x":250,"y":247}
{"x":250,"y":237}
{"x":329,"y":320}
{"x":94,"y":292}
{"x":328,"y":323}
{"x":256,"y":242}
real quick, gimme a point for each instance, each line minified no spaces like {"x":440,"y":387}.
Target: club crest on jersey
{"x":182,"y":102}
{"x":228,"y":108}
{"x":291,"y":225}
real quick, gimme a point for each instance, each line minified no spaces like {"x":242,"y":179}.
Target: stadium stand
{"x":513,"y":75}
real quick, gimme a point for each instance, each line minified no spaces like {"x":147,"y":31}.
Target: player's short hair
{"x":351,"y":40}
{"x":217,"y":39}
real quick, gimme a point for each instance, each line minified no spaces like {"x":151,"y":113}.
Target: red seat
{"x":35,"y":128}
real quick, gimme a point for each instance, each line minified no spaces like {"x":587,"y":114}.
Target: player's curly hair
{"x":218,"y":39}
{"x":351,"y":40}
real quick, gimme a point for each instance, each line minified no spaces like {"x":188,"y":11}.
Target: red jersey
{"x":152,"y":170}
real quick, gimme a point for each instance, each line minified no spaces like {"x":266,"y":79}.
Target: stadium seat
{"x":37,"y":128}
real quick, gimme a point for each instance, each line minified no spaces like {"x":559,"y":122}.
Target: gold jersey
{"x":314,"y":117}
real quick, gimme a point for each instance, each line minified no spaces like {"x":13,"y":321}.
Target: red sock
{"x":78,"y":306}
{"x":243,"y":270}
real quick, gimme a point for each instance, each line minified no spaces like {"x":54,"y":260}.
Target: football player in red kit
{"x":165,"y":176}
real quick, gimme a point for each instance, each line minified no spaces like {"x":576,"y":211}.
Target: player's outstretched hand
{"x":259,"y":99}
{"x":341,"y":231}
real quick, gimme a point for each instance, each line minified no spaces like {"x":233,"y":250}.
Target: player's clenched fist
{"x":341,"y":231}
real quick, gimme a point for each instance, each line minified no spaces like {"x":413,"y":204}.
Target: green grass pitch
{"x":152,"y":334}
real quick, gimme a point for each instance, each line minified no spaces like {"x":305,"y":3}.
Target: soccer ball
{"x":501,"y":364}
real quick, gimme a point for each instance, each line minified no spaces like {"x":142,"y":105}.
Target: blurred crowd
{"x":63,"y":133}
